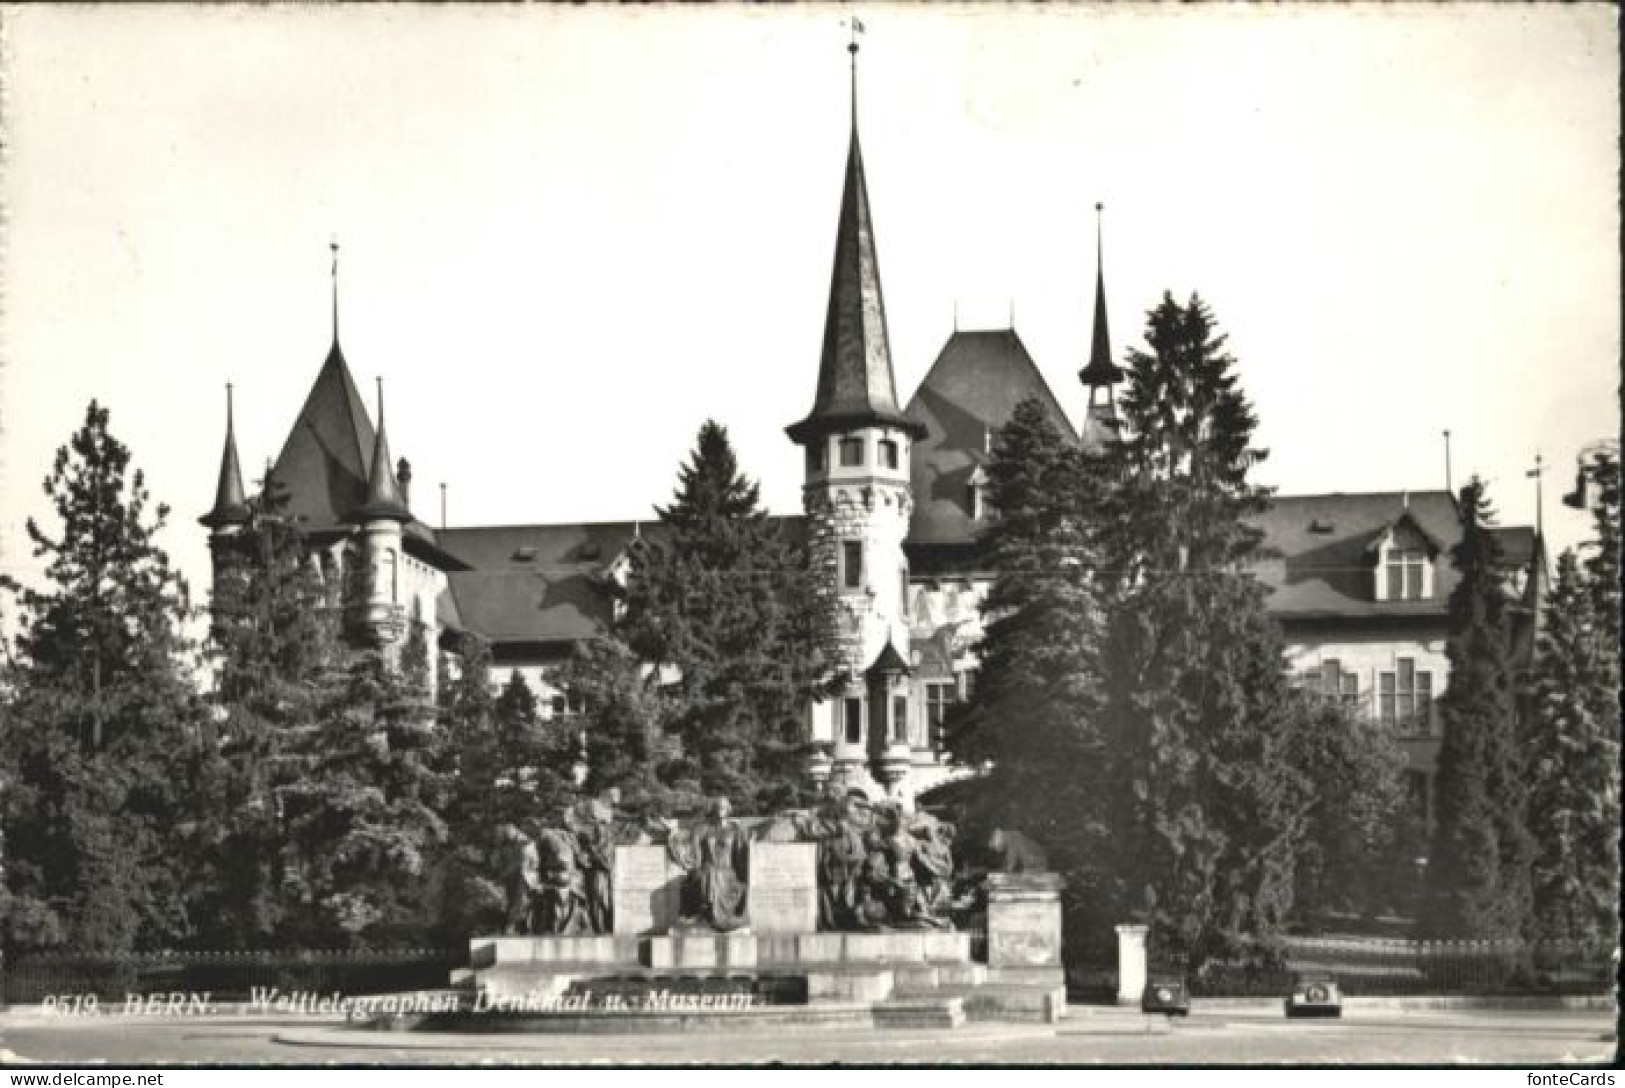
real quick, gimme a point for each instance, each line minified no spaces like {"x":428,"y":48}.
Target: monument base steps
{"x":930,"y":1012}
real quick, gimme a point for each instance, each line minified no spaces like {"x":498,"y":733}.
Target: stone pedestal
{"x":701,"y":950}
{"x":1130,"y":964}
{"x":1024,"y":921}
{"x":646,"y":888}
{"x":783,"y":889}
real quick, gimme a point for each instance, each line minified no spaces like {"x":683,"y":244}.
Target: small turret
{"x":377,"y":612}
{"x":230,"y":500}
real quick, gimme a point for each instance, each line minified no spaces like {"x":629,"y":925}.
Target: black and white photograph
{"x":867,"y":534}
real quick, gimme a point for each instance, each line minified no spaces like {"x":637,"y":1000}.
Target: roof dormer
{"x":1404,"y":560}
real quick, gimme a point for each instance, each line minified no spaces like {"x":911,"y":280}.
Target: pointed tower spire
{"x":1101,"y":374}
{"x":855,"y":382}
{"x":230,"y":500}
{"x":384,"y":500}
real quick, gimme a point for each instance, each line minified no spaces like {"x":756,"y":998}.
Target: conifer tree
{"x":362,"y":824}
{"x":624,"y":742}
{"x":1478,"y":866}
{"x":731,"y":606}
{"x":99,"y":728}
{"x":1036,"y":708}
{"x":1571,"y":741}
{"x":1208,"y":810}
{"x":274,"y":633}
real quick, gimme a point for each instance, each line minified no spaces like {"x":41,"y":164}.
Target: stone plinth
{"x":701,"y":950}
{"x":783,"y":889}
{"x":1131,"y":974}
{"x":646,"y":888}
{"x":1024,"y":920}
{"x":499,"y":951}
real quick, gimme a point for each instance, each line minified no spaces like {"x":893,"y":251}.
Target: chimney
{"x":403,"y":476}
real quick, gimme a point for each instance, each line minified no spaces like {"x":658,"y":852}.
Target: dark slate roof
{"x":855,"y":381}
{"x":1323,"y":566}
{"x":323,"y":464}
{"x":543,"y":583}
{"x":973,"y":388}
{"x":384,"y":501}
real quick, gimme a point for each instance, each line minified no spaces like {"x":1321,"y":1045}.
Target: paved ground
{"x":1090,"y":1036}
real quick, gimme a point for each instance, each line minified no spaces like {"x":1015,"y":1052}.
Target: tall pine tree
{"x":730,"y":604}
{"x":1037,"y":703}
{"x":1478,"y":867}
{"x":100,"y":730}
{"x":1571,"y":737}
{"x":1208,"y":810}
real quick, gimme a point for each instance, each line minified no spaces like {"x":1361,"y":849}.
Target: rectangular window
{"x":899,"y":719}
{"x":1406,"y":698}
{"x":853,"y":712}
{"x":939,"y":696}
{"x":815,"y":457}
{"x":1334,"y":683}
{"x":852,"y":564}
{"x":902,"y":589}
{"x":1404,"y":570}
{"x":888,"y":453}
{"x":851,"y":452}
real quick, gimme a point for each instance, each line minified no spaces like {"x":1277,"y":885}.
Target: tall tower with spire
{"x":1101,"y":375}
{"x":858,"y":501}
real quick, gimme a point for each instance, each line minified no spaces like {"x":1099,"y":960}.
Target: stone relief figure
{"x":592,"y":822}
{"x":524,"y":880}
{"x":560,"y":901}
{"x":933,"y":862}
{"x":839,"y":828}
{"x":713,"y":853}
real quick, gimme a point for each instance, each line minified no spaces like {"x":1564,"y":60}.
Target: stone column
{"x":1130,"y":964}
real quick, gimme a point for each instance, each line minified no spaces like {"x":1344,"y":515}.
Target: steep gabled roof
{"x":971,"y":390}
{"x":323,"y":463}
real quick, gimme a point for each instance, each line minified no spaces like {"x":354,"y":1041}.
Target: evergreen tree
{"x":1478,"y":867}
{"x":1037,"y":703}
{"x":1571,"y":743}
{"x":622,"y":736}
{"x":733,"y":608}
{"x":99,"y":728}
{"x":362,"y":824}
{"x":1209,"y":811}
{"x":275,"y":640}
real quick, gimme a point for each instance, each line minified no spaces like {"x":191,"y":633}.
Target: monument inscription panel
{"x":783,"y":890}
{"x":1023,"y":933}
{"x":645,"y":888}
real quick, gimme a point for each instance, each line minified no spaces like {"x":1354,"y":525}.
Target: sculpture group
{"x":878,"y":866}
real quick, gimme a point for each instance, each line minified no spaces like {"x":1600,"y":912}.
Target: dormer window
{"x":976,"y":494}
{"x":1404,"y":563}
{"x":1403,"y":569}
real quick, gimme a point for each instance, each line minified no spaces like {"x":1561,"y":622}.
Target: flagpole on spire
{"x":334,"y":246}
{"x":856,"y":26}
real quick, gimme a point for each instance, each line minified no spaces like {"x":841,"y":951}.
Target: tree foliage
{"x":1478,"y":867}
{"x":727,"y":604}
{"x":1571,"y":736}
{"x":1036,"y":712}
{"x":100,"y":729}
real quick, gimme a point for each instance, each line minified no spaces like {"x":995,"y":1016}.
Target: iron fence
{"x":31,"y":978}
{"x":1394,"y":967}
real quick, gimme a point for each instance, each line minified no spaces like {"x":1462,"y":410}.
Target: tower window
{"x":392,"y":576}
{"x":899,"y":719}
{"x":852,"y":564}
{"x":851,"y":452}
{"x":815,"y":457}
{"x":852,"y":712}
{"x":888,"y":453}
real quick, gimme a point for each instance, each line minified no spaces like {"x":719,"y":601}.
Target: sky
{"x":572,"y":234}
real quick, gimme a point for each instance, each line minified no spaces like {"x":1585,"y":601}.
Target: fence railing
{"x":31,"y":978}
{"x":1392,"y":967}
